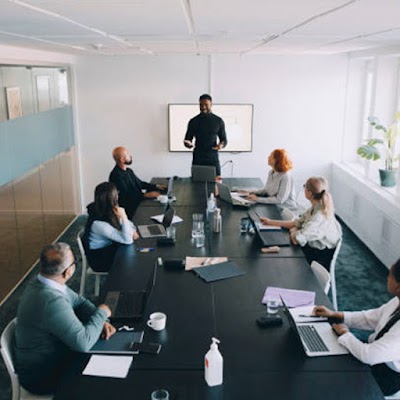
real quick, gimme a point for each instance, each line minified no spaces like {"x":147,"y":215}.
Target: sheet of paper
{"x":303,"y":314}
{"x":159,"y":219}
{"x":194,"y":262}
{"x":263,"y":227}
{"x":292,"y":298}
{"x":108,"y":366}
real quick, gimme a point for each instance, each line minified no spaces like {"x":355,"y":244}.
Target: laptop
{"x":226,"y":195}
{"x":315,"y":334}
{"x":170,"y":192}
{"x":129,"y":304}
{"x":158,"y":230}
{"x":203,"y":173}
{"x":269,"y":237}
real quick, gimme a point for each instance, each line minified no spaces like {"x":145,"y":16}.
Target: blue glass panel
{"x":31,"y":140}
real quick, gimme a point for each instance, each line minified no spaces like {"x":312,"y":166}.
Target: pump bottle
{"x":213,"y":365}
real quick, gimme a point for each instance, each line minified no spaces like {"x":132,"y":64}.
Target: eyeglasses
{"x":69,"y":266}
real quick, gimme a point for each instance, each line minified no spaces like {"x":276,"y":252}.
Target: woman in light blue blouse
{"x":107,"y":226}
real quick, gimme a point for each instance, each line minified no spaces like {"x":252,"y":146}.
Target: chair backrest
{"x":7,"y":342}
{"x":82,"y":250}
{"x":333,"y":273}
{"x":322,"y":275}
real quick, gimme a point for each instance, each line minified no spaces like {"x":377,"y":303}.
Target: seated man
{"x":53,"y":322}
{"x":129,"y":186}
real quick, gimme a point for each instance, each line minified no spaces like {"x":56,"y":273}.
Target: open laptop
{"x":158,"y":230}
{"x":316,"y":334}
{"x":226,"y":195}
{"x":203,"y":173}
{"x":269,"y":237}
{"x":129,"y":304}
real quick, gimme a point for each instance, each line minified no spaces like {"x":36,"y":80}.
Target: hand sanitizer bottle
{"x":217,"y":220}
{"x":213,"y":365}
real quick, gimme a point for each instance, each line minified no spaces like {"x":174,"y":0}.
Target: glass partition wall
{"x":38,"y":177}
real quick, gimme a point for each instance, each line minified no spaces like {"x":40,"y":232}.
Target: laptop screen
{"x":168,"y":216}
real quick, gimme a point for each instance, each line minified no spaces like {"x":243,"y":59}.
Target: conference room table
{"x":258,"y":363}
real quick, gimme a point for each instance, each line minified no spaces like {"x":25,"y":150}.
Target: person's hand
{"x":292,"y":235}
{"x":252,"y":197}
{"x":293,"y":229}
{"x":322,"y":311}
{"x":106,"y":309}
{"x":219,"y":146}
{"x":135,"y":235}
{"x":265,"y":220}
{"x":244,"y":192}
{"x":161,"y":187}
{"x":340,"y":329}
{"x":152,"y":195}
{"x":188,"y":144}
{"x":108,"y":331}
{"x":120,"y":213}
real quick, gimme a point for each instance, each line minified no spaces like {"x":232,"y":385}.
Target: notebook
{"x":158,"y":230}
{"x":129,"y":304}
{"x":119,"y":343}
{"x":226,"y":195}
{"x":203,"y":173}
{"x":315,"y":334}
{"x":216,"y":272}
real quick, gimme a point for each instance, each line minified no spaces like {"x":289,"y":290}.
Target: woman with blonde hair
{"x":279,"y":187}
{"x":317,"y":231}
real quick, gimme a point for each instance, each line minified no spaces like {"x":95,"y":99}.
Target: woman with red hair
{"x":279,"y":188}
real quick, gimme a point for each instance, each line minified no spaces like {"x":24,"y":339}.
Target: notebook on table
{"x":315,"y":334}
{"x":158,"y":230}
{"x":129,"y":304}
{"x":237,"y":201}
{"x":119,"y":343}
{"x":219,"y":271}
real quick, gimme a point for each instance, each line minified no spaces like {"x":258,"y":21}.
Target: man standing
{"x":205,"y":128}
{"x":129,"y":186}
{"x":53,"y":322}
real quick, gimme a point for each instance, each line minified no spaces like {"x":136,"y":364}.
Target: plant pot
{"x":388,"y":177}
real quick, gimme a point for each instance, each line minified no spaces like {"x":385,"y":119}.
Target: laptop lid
{"x":169,"y":214}
{"x":203,"y":173}
{"x":170,"y":193}
{"x":224,"y":193}
{"x":317,"y":338}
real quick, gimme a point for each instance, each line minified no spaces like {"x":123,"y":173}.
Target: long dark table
{"x":258,"y":363}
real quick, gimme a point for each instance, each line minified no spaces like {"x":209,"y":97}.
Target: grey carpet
{"x":360,"y":277}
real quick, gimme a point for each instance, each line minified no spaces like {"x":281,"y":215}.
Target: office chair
{"x":322,"y":275}
{"x":333,"y":273}
{"x":6,"y":342}
{"x":86,"y":270}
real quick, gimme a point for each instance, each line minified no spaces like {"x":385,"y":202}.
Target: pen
{"x":145,"y":249}
{"x":311,"y":316}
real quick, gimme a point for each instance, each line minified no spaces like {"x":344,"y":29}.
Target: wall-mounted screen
{"x":238,"y":120}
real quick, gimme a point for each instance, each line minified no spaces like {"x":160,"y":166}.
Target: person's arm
{"x":123,"y":236}
{"x":311,"y":229}
{"x":277,"y":222}
{"x":282,"y":194}
{"x":223,"y":141}
{"x":190,"y":132}
{"x":63,"y":323}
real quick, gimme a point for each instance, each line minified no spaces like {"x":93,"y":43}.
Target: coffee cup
{"x":157,"y":321}
{"x":162,"y":198}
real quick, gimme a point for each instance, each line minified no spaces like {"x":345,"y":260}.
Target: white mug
{"x":162,"y":198}
{"x":157,"y":321}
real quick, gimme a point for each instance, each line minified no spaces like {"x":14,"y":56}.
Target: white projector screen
{"x":238,"y":120}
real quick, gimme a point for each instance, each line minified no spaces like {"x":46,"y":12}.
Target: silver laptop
{"x":315,"y":334}
{"x":203,"y":173}
{"x":226,"y":195}
{"x":158,"y":230}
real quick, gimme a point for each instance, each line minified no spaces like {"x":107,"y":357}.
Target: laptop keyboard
{"x":311,"y":338}
{"x":154,"y":229}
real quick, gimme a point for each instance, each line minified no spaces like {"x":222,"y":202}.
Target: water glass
{"x":198,"y":224}
{"x":272,"y":305}
{"x":200,"y":239}
{"x":171,"y":232}
{"x":244,"y":225}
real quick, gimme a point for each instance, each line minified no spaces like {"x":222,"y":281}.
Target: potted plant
{"x":384,"y":148}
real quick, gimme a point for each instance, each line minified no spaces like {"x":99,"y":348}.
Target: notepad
{"x":119,"y":343}
{"x":263,"y":227}
{"x":292,"y":298}
{"x":217,"y":272}
{"x":108,"y":366}
{"x":159,"y":219}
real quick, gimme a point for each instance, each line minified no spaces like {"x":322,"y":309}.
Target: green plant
{"x":384,"y":147}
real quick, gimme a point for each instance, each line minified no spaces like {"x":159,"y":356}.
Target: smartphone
{"x":150,"y":348}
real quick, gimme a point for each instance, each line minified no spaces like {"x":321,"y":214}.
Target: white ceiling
{"x":200,"y":26}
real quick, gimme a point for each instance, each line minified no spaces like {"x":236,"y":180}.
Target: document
{"x":108,"y":366}
{"x":263,"y":227}
{"x":291,"y":297}
{"x":304,"y":314}
{"x":159,"y":219}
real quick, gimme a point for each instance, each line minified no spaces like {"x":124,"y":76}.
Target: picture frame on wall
{"x":14,"y":107}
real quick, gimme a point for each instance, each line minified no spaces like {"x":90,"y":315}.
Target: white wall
{"x":298,"y":105}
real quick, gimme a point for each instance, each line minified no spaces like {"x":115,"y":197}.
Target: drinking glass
{"x":198,"y":224}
